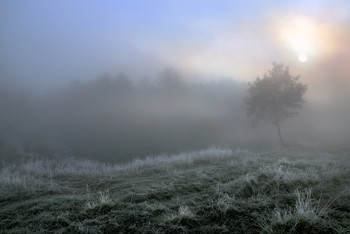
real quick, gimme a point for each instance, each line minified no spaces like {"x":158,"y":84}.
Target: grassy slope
{"x":210,"y":191}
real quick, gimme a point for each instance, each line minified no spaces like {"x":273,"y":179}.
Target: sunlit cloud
{"x":306,"y":36}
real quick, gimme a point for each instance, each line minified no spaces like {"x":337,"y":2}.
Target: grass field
{"x":210,"y":191}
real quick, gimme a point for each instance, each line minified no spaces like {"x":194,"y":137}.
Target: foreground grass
{"x":209,"y":191}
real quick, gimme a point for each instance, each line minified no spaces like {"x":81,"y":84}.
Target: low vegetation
{"x":210,"y":191}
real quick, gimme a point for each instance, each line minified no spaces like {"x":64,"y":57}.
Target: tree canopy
{"x":275,"y":97}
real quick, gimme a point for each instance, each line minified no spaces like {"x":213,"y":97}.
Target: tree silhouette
{"x":275,"y":97}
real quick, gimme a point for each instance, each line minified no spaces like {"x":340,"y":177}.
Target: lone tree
{"x":275,"y":97}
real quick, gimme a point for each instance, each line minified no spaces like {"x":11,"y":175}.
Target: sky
{"x":45,"y":44}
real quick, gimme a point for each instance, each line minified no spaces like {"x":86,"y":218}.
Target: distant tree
{"x":123,"y":84}
{"x":275,"y":97}
{"x":170,"y":78}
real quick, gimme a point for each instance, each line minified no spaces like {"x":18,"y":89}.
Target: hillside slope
{"x":210,"y":191}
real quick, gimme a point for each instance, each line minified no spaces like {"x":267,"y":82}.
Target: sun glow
{"x":302,"y":57}
{"x":300,"y":37}
{"x":305,"y":37}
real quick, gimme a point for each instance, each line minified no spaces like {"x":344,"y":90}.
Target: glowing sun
{"x":305,"y":37}
{"x":302,"y":57}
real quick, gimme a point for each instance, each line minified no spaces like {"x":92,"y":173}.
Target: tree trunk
{"x":279,"y":134}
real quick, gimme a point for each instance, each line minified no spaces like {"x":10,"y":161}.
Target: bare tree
{"x":275,"y":97}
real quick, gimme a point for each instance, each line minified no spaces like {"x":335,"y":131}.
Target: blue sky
{"x":48,"y":43}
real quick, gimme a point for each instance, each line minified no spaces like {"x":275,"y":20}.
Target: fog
{"x":116,"y":119}
{"x":119,"y":80}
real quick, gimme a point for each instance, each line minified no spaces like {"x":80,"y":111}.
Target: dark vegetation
{"x":275,"y":97}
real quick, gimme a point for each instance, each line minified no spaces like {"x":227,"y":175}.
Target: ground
{"x":210,"y":191}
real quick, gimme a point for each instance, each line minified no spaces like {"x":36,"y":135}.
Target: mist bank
{"x":116,"y":119}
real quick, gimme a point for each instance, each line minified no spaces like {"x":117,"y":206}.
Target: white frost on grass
{"x":103,"y":198}
{"x":186,"y":158}
{"x":305,"y":207}
{"x":42,"y":174}
{"x":289,"y":174}
{"x":226,"y":202}
{"x":183,"y":212}
{"x":50,"y":175}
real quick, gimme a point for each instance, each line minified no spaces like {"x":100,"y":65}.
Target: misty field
{"x":210,"y":191}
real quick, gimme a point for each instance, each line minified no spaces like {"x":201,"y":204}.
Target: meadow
{"x":215,"y":190}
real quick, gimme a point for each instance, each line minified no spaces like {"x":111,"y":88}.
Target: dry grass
{"x":209,"y":191}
